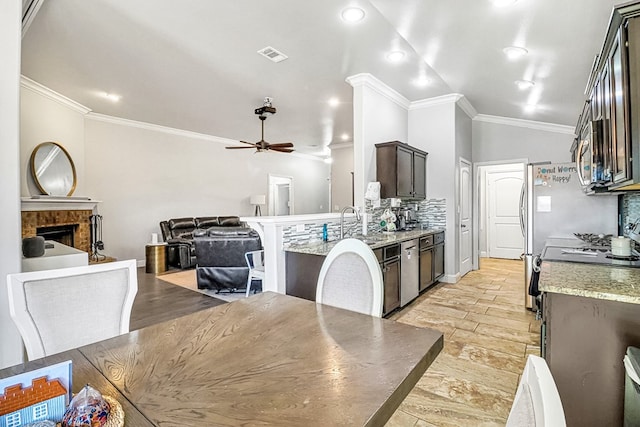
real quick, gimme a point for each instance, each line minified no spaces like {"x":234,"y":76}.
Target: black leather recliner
{"x":221,"y":264}
{"x":179,"y":233}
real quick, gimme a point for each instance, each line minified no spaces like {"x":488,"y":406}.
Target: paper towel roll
{"x":154,"y":238}
{"x":621,"y":246}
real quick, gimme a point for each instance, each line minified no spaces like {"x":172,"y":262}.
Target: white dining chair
{"x":255,"y":262}
{"x":57,"y":310}
{"x":537,"y":402}
{"x":350,"y":278}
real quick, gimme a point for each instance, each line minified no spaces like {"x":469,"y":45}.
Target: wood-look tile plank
{"x":490,"y":342}
{"x":427,"y":319}
{"x":402,"y":419}
{"x":522,"y":315}
{"x":495,"y":359}
{"x":518,"y":325}
{"x":525,"y":337}
{"x":445,"y":412}
{"x":477,"y":395}
{"x":456,"y":367}
{"x":455,"y":303}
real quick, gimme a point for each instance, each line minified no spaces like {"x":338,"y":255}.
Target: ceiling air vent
{"x":272,"y":54}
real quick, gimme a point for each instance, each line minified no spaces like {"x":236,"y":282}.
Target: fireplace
{"x":60,"y":233}
{"x":69,"y":227}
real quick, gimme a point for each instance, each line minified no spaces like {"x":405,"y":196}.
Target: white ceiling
{"x":193,"y":64}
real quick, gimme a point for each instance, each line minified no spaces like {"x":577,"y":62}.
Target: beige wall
{"x":43,"y":119}
{"x":341,"y":176}
{"x":494,"y":142}
{"x":10,"y":14}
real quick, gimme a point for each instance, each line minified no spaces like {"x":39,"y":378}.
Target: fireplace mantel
{"x":48,"y":203}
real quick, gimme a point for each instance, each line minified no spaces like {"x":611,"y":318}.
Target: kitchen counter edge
{"x":323,"y":248}
{"x":604,"y":282}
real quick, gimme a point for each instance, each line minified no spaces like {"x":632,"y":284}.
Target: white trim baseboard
{"x":451,"y":278}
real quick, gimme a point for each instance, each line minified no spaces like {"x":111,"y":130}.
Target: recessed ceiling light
{"x":395,"y":56}
{"x":334,"y":102}
{"x":422,"y":81}
{"x":515,"y":52}
{"x":352,"y":14}
{"x":111,"y":96}
{"x":524,"y":84}
{"x":344,"y":136}
{"x":530,"y":108}
{"x":503,"y":3}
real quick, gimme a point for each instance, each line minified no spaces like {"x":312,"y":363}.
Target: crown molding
{"x":451,"y":98}
{"x":530,"y":124}
{"x":36,"y":87}
{"x":371,"y":82}
{"x":159,"y":128}
{"x":466,"y":106}
{"x":180,"y":132}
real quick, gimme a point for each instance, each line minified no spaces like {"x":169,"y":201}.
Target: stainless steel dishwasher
{"x":409,"y":271}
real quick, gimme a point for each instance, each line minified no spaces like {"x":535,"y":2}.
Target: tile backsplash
{"x":429,"y":213}
{"x":630,"y":207}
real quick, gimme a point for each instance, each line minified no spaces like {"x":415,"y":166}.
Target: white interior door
{"x":504,"y":236}
{"x":280,"y":195}
{"x":465,"y":207}
{"x":282,"y":199}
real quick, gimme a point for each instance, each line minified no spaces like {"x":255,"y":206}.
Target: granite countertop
{"x":374,"y":240}
{"x":597,"y":281}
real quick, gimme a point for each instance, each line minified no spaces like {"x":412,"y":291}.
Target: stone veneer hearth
{"x":31,"y":220}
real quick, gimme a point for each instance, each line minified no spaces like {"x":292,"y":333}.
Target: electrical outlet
{"x":300,"y":228}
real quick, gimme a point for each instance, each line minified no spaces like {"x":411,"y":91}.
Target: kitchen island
{"x":591,"y":314}
{"x":303,"y":263}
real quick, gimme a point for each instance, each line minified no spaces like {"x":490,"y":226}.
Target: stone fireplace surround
{"x":51,"y":212}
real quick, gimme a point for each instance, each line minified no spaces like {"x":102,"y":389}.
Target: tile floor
{"x":487,"y":336}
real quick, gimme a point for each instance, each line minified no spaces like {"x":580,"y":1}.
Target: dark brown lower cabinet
{"x":438,"y":262}
{"x":391,"y":279}
{"x":586,"y":340}
{"x":426,"y":268}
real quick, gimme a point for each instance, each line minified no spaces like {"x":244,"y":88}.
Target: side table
{"x":156,"y":257}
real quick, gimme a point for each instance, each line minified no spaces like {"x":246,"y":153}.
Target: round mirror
{"x":53,"y":170}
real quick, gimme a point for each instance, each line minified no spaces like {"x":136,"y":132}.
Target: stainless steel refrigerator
{"x":554,"y":206}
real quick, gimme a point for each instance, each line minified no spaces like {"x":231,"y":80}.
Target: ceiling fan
{"x":263,"y":112}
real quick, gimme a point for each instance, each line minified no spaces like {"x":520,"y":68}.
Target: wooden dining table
{"x":270,"y":359}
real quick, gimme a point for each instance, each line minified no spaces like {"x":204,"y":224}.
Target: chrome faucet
{"x":355,"y":210}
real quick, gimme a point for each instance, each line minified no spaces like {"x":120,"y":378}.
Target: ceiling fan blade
{"x":250,"y":143}
{"x":282,"y":150}
{"x":238,"y":148}
{"x":282,"y":144}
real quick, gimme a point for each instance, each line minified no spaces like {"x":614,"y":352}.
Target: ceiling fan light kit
{"x":263,"y":112}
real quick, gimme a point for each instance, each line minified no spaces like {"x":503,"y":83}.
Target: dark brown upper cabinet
{"x":614,"y":98}
{"x":401,"y":170}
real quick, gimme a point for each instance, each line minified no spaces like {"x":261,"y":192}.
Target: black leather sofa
{"x":179,"y":234}
{"x":221,"y":264}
